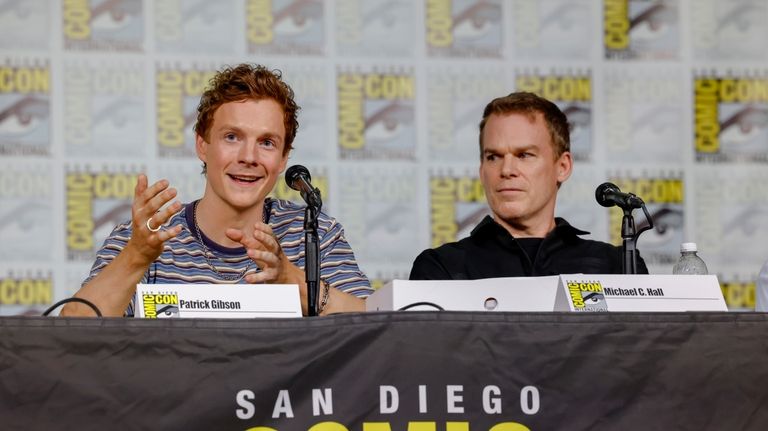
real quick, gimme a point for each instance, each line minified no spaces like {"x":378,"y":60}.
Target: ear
{"x":201,"y":148}
{"x":564,"y":167}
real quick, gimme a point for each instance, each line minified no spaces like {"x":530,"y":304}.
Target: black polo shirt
{"x":490,"y":251}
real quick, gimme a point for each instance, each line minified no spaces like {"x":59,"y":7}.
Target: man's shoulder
{"x":286,"y":213}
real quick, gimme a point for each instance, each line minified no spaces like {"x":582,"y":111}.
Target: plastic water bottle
{"x":689,"y":263}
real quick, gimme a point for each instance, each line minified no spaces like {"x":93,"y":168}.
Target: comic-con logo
{"x":664,"y":198}
{"x":457,"y":205}
{"x":25,"y":109}
{"x":729,"y":29}
{"x":376,"y":115}
{"x":739,"y":295}
{"x":464,"y":28}
{"x":572,"y":93}
{"x":95,"y":204}
{"x":26,"y":210}
{"x":731,"y":118}
{"x":378,"y":207}
{"x":284,"y":192}
{"x":456,"y":99}
{"x":115,"y":25}
{"x":178,"y":93}
{"x":27,"y":289}
{"x":194,"y":27}
{"x":285,"y":27}
{"x":640,"y":29}
{"x":104,"y":112}
{"x":160,"y":305}
{"x":586,"y":296}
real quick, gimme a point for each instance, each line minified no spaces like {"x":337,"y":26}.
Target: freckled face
{"x":244,"y":155}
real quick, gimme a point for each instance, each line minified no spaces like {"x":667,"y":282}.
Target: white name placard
{"x":584,"y":292}
{"x":490,"y":294}
{"x":233,"y":301}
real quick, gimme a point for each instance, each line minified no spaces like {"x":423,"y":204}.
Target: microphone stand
{"x":629,"y":243}
{"x":629,"y":239}
{"x":312,"y":251}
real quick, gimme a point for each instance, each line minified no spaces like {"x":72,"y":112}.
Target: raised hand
{"x":148,"y":219}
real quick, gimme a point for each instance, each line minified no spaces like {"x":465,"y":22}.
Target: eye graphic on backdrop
{"x":579,"y":118}
{"x":740,"y":21}
{"x":564,"y":18}
{"x":297,"y":17}
{"x":26,"y":217}
{"x":17,"y":7}
{"x":201,"y":14}
{"x":23,"y":116}
{"x":384,"y":15}
{"x":388,"y":122}
{"x":476,"y":21}
{"x":743,"y":126}
{"x":667,"y":226}
{"x":657,"y":120}
{"x":113,"y":15}
{"x":117,"y":115}
{"x":652,"y":24}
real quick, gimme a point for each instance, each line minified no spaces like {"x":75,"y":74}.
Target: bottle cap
{"x":688,"y":246}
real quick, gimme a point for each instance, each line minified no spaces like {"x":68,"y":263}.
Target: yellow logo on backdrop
{"x":707,"y":125}
{"x":439,"y":23}
{"x":24,"y":80}
{"x":444,"y":193}
{"x":557,"y":88}
{"x":77,"y":19}
{"x":616,"y":24}
{"x":351,"y":121}
{"x":260,"y":21}
{"x":26,"y":291}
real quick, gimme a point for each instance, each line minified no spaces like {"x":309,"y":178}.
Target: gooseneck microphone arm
{"x":297,"y":177}
{"x":608,"y":195}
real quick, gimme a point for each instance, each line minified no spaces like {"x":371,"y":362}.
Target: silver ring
{"x":149,"y":226}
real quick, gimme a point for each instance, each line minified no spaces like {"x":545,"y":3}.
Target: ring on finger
{"x":149,"y":226}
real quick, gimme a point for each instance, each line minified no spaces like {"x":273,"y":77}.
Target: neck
{"x":214,"y":216}
{"x":526,"y":230}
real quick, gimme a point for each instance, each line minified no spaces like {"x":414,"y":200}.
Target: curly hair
{"x":530,"y":104}
{"x":244,"y":82}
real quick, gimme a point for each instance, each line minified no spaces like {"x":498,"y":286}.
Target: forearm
{"x":338,"y":301}
{"x":112,"y":289}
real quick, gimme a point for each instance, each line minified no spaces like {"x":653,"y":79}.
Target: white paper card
{"x":617,"y":292}
{"x":232,"y":301}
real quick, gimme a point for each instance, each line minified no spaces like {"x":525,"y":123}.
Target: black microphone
{"x":609,"y":194}
{"x":297,"y":177}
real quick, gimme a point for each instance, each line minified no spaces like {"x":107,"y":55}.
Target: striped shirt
{"x":183,"y":258}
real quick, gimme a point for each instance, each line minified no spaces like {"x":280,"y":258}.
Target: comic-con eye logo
{"x":730,"y":118}
{"x":635,"y":29}
{"x":285,"y":27}
{"x":160,"y":305}
{"x":112,"y":24}
{"x":24,"y":110}
{"x":457,"y":205}
{"x":376,"y":115}
{"x":464,"y":28}
{"x":586,"y":295}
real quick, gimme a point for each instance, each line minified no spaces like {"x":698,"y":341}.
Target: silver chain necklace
{"x":226,"y":277}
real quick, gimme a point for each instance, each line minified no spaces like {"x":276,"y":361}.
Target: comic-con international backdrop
{"x":668,"y":99}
